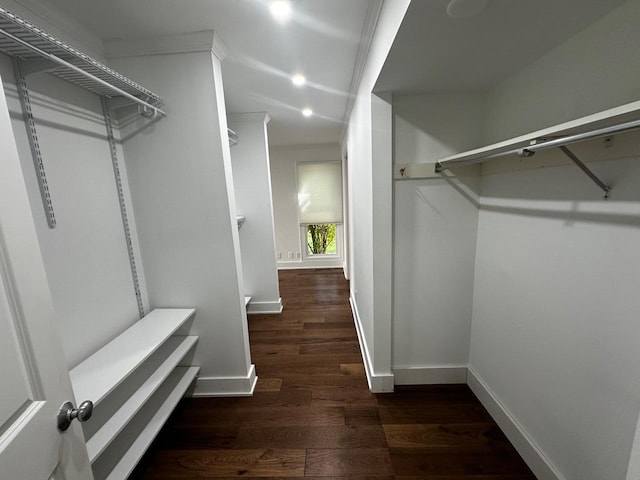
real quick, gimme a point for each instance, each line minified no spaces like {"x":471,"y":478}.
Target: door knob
{"x":67,"y":413}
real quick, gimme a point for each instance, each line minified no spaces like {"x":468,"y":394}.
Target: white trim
{"x":290,"y":265}
{"x":364,"y":350}
{"x":248,"y":117}
{"x":378,"y":383}
{"x":205,"y":41}
{"x":366,"y":38}
{"x":382,"y":383}
{"x":429,"y":375}
{"x":226,"y":386}
{"x":265,"y":307}
{"x":219,"y":49}
{"x":517,"y":435}
{"x":331,"y":262}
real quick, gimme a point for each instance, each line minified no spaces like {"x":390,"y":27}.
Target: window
{"x":320,"y":207}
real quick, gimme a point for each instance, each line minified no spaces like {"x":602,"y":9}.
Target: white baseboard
{"x":265,"y":307}
{"x":310,"y":264}
{"x":524,"y":444}
{"x":429,"y":375}
{"x":292,"y":265}
{"x":226,"y":386}
{"x":378,"y":383}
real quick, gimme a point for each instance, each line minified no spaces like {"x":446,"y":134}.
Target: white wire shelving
{"x":41,"y":51}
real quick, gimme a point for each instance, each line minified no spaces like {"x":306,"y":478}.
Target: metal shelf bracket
{"x":579,"y":163}
{"x":605,"y":188}
{"x":572,"y":156}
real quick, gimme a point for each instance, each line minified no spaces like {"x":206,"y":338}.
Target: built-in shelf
{"x":163,"y":403}
{"x":605,"y":124}
{"x":98,"y":375}
{"x":134,"y":381}
{"x":179,"y":347}
{"x":612,"y":117}
{"x":42,"y":52}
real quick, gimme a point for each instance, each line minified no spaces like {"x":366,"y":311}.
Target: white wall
{"x":555,"y":336}
{"x":252,"y":185}
{"x":85,"y":256}
{"x":382,"y":234}
{"x":367,"y":177}
{"x":592,"y":71}
{"x":555,"y":333}
{"x":285,"y":201}
{"x":633,"y":473}
{"x":435,"y":223}
{"x":361,"y":220}
{"x":181,"y":180}
{"x":346,"y":263}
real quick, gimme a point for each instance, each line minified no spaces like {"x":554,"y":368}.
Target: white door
{"x":34,"y":381}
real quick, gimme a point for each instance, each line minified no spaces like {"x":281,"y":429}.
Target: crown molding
{"x":219,"y":49}
{"x":248,"y":117}
{"x":368,"y":30}
{"x":204,"y":41}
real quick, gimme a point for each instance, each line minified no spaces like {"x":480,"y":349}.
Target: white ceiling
{"x":432,"y":52}
{"x":321,"y":41}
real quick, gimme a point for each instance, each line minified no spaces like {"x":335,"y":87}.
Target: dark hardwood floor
{"x":312,"y":414}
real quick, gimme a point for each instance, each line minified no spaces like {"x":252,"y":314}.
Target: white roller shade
{"x":319,"y":192}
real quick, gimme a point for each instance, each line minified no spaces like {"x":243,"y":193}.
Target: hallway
{"x":312,"y":414}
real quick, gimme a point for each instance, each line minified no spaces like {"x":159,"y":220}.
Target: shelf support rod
{"x":59,"y":61}
{"x":113,"y":150}
{"x":586,"y":170}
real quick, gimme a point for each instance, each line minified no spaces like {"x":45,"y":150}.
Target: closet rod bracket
{"x":580,"y":164}
{"x":525,"y":153}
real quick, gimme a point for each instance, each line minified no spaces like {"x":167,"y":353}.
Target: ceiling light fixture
{"x":298,"y":80}
{"x":307,"y":112}
{"x":281,"y":10}
{"x":466,"y":8}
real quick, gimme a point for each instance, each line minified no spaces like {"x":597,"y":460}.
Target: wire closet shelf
{"x":19,"y":38}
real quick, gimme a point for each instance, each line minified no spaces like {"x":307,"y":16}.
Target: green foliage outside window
{"x":321,"y":239}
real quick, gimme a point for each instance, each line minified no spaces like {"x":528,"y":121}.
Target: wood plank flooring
{"x":312,"y":415}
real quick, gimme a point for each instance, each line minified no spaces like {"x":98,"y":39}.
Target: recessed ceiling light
{"x":307,"y":112}
{"x":298,"y":80}
{"x":281,"y":10}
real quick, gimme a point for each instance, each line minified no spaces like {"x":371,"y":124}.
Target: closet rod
{"x":543,"y":145}
{"x":59,"y":61}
